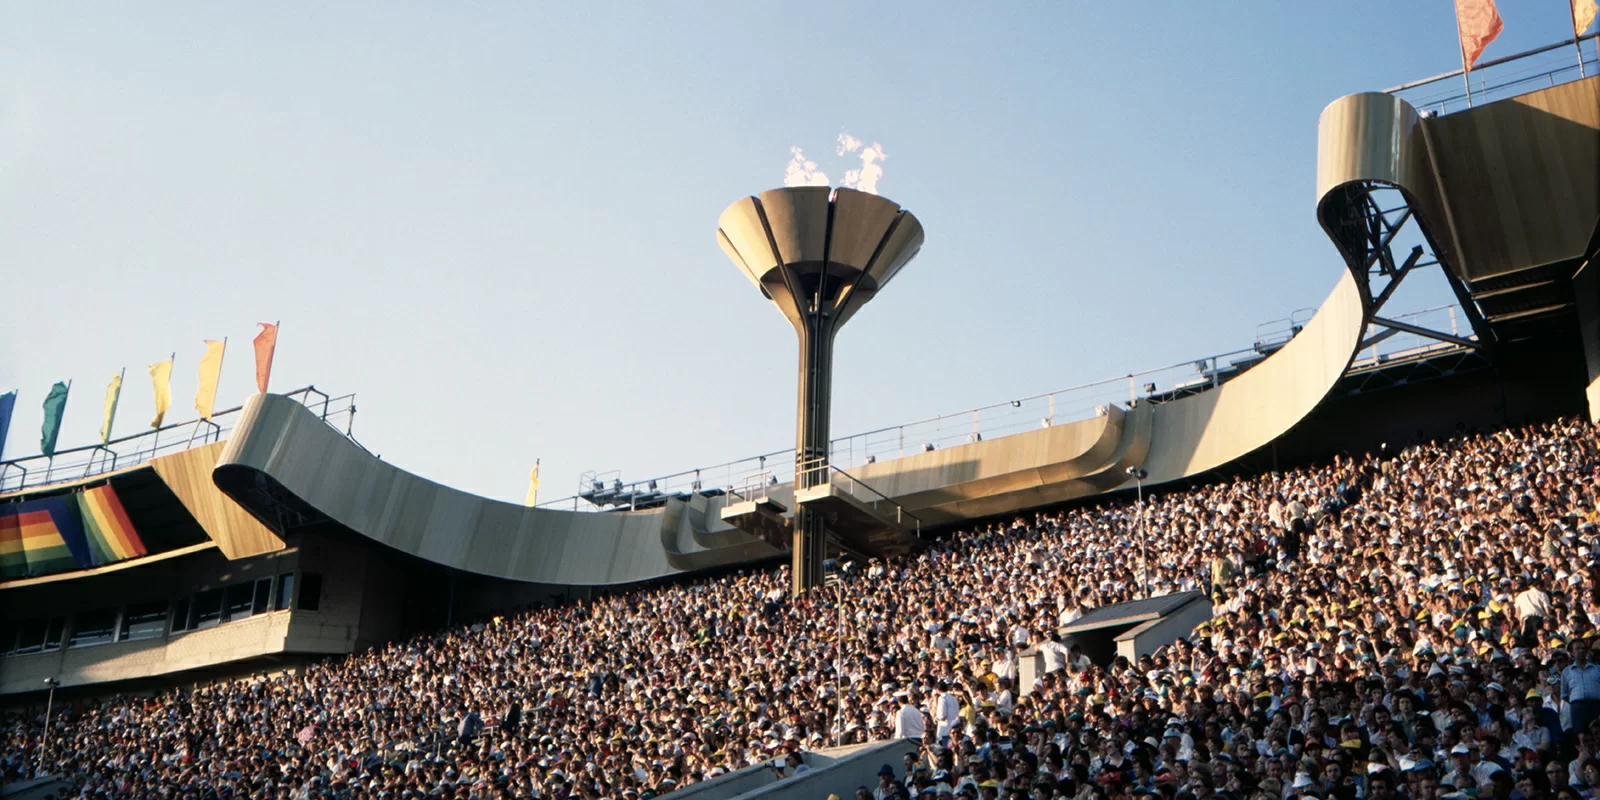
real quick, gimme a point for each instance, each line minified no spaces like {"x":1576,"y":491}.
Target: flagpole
{"x":1577,"y":37}
{"x":215,"y":428}
{"x":155,"y":443}
{"x":1466,"y":68}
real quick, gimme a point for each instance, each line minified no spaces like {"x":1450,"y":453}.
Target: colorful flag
{"x":1478,"y":23}
{"x":47,"y":534}
{"x":1583,"y":14}
{"x":266,"y":344}
{"x":533,"y":486}
{"x":55,"y":404}
{"x":210,"y":375}
{"x":113,"y":395}
{"x":8,"y":401}
{"x":161,"y":379}
{"x":110,"y":534}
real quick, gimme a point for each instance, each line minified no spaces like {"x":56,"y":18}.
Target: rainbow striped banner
{"x":47,"y":533}
{"x":13,"y":562}
{"x":110,"y":534}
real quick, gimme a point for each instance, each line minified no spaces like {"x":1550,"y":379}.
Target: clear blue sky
{"x":495,"y":222}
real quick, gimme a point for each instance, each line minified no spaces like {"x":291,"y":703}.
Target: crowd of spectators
{"x":1408,"y":624}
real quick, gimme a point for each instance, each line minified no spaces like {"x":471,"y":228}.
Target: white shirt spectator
{"x":908,"y":722}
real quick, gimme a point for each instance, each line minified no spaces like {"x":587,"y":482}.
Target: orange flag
{"x":1478,"y":23}
{"x":266,"y":344}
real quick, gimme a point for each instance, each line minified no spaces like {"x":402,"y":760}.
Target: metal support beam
{"x":1429,"y":333}
{"x":1469,"y":307}
{"x":1377,"y":337}
{"x":1400,"y":275}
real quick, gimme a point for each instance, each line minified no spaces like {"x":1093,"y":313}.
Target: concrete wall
{"x":36,"y":789}
{"x":361,"y":590}
{"x":1158,"y":633}
{"x":829,"y":766}
{"x":249,"y":638}
{"x":859,"y":767}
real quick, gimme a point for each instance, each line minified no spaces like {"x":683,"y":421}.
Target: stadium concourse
{"x":1413,"y":623}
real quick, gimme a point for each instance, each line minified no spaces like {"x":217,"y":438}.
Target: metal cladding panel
{"x":188,"y":475}
{"x":741,"y":225}
{"x":1522,"y":177}
{"x":1371,"y":136}
{"x":797,"y":217}
{"x":738,"y":260}
{"x":860,"y":221}
{"x":1207,"y":430}
{"x":903,"y":244}
{"x":278,"y":439}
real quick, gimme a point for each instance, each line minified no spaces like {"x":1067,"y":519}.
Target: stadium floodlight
{"x":819,"y":254}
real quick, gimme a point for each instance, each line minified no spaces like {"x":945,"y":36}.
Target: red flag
{"x":1478,"y":23}
{"x":266,"y":343}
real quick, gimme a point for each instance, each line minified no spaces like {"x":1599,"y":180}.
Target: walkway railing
{"x":753,"y":476}
{"x":1500,"y":78}
{"x":823,"y":472}
{"x":128,"y":451}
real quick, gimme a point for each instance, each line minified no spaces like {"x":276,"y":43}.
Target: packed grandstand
{"x":1412,"y":622}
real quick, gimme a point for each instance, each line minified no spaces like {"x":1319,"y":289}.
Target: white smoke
{"x":866,"y":178}
{"x":802,"y":172}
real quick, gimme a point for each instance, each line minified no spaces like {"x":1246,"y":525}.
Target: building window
{"x":285,"y":597}
{"x":207,"y":609}
{"x":180,"y":615}
{"x":53,"y":633}
{"x":94,"y":627}
{"x":310,"y":592}
{"x":263,"y":599}
{"x":30,"y":636}
{"x":240,"y":598}
{"x":144,"y":621}
{"x":37,"y":635}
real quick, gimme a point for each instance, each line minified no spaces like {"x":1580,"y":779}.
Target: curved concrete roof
{"x":280,"y":445}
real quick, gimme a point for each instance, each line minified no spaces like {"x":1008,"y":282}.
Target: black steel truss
{"x":1369,"y":231}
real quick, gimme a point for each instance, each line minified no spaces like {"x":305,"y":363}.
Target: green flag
{"x":54,"y":404}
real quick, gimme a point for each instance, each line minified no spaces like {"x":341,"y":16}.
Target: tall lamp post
{"x":49,"y":705}
{"x":819,"y":255}
{"x":1138,"y":474}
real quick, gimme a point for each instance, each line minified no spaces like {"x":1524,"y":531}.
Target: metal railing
{"x":1407,"y":345}
{"x":822,"y":473}
{"x":749,"y":478}
{"x":1500,"y":78}
{"x":128,"y":451}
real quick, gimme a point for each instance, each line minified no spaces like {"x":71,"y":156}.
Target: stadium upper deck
{"x":285,"y":484}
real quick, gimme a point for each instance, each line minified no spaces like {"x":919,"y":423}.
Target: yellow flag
{"x":210,"y":374}
{"x":161,"y":378}
{"x":1583,"y":14}
{"x":113,"y":394}
{"x":533,"y":486}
